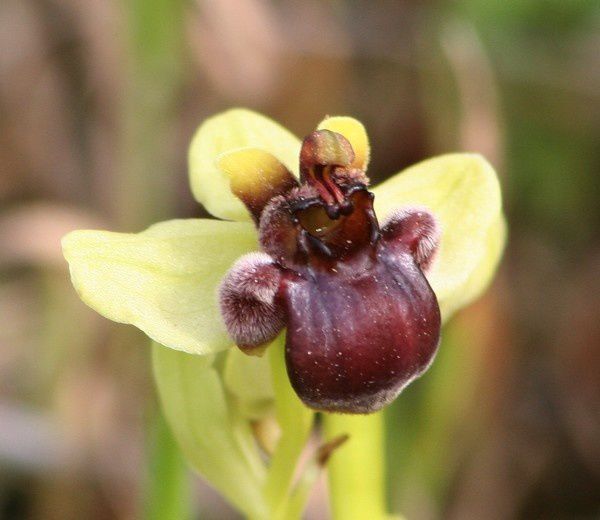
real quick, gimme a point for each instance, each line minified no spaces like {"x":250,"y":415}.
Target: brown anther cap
{"x":323,"y":148}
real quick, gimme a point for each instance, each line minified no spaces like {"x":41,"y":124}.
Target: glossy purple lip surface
{"x":355,"y":338}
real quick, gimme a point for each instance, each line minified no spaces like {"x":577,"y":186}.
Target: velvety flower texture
{"x":360,"y":299}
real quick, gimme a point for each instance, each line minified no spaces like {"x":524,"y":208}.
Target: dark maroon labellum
{"x":362,"y":321}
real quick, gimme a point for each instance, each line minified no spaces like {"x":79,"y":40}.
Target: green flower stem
{"x":295,"y":421}
{"x":167,"y":490}
{"x":356,"y":469}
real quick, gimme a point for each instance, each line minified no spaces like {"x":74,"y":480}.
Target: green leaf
{"x":236,"y":128}
{"x":462,"y":191}
{"x":248,"y":379}
{"x":163,"y":280}
{"x":216,"y":441}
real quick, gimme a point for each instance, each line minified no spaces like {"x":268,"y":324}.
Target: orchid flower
{"x":297,"y":227}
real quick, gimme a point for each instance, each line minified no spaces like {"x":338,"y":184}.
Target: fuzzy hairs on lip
{"x":248,"y":299}
{"x":416,"y":228}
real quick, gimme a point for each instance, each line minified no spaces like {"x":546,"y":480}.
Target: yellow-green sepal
{"x":463,"y":193}
{"x":163,"y":280}
{"x":248,"y":380}
{"x":215,"y":439}
{"x":230,"y":130}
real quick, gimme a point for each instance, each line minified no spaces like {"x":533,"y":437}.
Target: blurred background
{"x":98,"y":102}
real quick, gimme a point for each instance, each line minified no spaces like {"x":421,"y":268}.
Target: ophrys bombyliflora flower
{"x":362,"y":321}
{"x":165,"y":279}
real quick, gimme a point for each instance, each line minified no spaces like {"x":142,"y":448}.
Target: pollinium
{"x":362,"y":321}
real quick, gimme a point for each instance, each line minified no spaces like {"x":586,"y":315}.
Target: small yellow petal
{"x":355,"y":132}
{"x":255,"y":176}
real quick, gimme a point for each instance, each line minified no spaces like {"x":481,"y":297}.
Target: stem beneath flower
{"x":295,"y":421}
{"x":356,"y":470}
{"x":167,"y":491}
